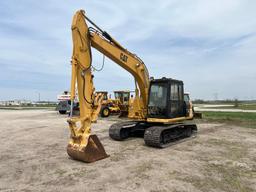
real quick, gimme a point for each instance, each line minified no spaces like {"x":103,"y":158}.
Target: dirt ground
{"x":33,"y":158}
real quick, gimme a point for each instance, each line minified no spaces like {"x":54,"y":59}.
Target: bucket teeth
{"x":93,"y":151}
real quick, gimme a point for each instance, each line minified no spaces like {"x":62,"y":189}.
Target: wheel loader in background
{"x":156,"y":112}
{"x":124,"y":98}
{"x":119,"y":105}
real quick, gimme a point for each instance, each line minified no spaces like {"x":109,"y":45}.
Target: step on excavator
{"x":158,"y":111}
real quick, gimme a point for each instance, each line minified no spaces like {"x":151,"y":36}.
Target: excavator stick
{"x":83,"y":145}
{"x":92,"y":152}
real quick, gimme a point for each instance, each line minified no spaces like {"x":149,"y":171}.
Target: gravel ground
{"x":33,"y":158}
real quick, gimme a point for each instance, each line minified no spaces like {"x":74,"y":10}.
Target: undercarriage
{"x":154,"y":134}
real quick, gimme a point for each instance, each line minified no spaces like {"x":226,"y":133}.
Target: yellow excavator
{"x":157,"y":112}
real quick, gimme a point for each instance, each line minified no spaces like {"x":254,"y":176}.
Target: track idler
{"x":92,"y":152}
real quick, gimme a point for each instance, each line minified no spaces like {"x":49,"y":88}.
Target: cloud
{"x":210,"y":45}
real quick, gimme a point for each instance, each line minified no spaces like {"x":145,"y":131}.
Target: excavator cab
{"x":166,"y":99}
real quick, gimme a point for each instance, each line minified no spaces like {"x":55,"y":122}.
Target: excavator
{"x":158,"y":111}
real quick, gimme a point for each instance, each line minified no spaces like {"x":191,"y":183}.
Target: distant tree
{"x":236,"y":103}
{"x":199,"y":101}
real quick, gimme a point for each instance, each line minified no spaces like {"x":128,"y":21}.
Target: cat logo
{"x":123,"y":57}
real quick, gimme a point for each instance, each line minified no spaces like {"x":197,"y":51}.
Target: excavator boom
{"x":108,"y":46}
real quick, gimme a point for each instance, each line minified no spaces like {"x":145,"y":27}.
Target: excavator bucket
{"x":93,"y":151}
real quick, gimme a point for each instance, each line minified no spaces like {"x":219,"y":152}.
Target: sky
{"x":210,"y":45}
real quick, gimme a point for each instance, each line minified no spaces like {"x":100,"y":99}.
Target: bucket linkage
{"x":84,"y":146}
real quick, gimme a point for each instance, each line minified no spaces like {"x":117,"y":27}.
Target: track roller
{"x":121,"y":131}
{"x":164,"y":136}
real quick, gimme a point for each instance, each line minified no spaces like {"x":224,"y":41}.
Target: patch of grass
{"x":141,"y":170}
{"x":231,"y":178}
{"x":221,"y":177}
{"x":230,"y":115}
{"x":247,"y":107}
{"x":117,"y":157}
{"x":144,"y":167}
{"x":240,"y":118}
{"x":240,"y":106}
{"x":60,"y":172}
{"x":234,"y":150}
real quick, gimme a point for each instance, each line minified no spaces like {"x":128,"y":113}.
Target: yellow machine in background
{"x":124,"y":99}
{"x":119,"y":105}
{"x":157,"y":110}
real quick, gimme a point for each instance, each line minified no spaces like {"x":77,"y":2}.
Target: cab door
{"x":176,"y":100}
